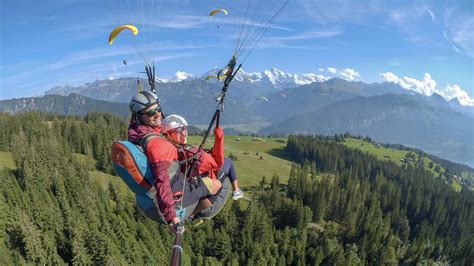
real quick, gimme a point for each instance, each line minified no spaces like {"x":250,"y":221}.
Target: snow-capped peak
{"x":279,"y":79}
{"x":272,"y":77}
{"x":179,"y":76}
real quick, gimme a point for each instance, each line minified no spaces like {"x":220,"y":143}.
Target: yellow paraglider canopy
{"x":119,"y":29}
{"x":215,"y":11}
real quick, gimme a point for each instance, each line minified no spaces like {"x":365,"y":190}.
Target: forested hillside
{"x":340,"y":206}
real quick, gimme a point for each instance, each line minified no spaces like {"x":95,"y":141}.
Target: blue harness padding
{"x":135,"y":172}
{"x":131,"y":164}
{"x":148,"y":207}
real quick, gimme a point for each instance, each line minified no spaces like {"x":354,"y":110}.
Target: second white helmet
{"x":172,"y":122}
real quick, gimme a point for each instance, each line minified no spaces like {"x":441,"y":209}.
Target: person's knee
{"x":216,"y":185}
{"x":228,"y":162}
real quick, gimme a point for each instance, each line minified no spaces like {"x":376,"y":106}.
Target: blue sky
{"x":427,"y":46}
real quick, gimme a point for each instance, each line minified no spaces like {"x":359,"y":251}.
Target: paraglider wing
{"x":210,"y":76}
{"x":216,"y":76}
{"x":119,"y":29}
{"x":282,"y":95}
{"x":263,"y":99}
{"x":215,"y":11}
{"x":222,"y":74}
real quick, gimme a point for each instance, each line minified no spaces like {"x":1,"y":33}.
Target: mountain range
{"x":274,"y":102}
{"x":73,"y":104}
{"x":427,"y":123}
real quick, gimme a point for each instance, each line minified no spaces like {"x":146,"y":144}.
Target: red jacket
{"x":209,"y":163}
{"x":160,"y":153}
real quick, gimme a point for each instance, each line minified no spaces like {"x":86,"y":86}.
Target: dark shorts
{"x":190,"y":190}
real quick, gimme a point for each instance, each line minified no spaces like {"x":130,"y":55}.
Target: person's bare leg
{"x":203,"y":204}
{"x":216,"y":185}
{"x":235,"y":185}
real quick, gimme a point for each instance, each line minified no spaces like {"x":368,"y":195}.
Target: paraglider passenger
{"x":174,"y":128}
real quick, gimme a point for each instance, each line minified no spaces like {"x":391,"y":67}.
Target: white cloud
{"x":390,"y":77}
{"x":331,"y":70}
{"x":111,"y":78}
{"x":321,"y":69}
{"x":394,"y":62}
{"x":454,"y":91}
{"x":459,"y":31}
{"x":427,"y":86}
{"x":421,"y":22}
{"x":308,"y":35}
{"x":433,"y":18}
{"x":184,"y":22}
{"x":346,"y":73}
{"x":349,"y":74}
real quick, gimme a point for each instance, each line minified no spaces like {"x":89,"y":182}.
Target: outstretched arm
{"x":218,"y":149}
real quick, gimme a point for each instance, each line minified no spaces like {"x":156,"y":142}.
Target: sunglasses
{"x":152,"y":112}
{"x":180,"y":129}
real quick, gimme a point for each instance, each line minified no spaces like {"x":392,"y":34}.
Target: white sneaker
{"x":237,"y":194}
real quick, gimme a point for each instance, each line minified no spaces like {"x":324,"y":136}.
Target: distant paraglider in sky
{"x":119,"y":29}
{"x":215,"y":11}
{"x":282,"y":95}
{"x":262,"y":99}
{"x":125,"y":62}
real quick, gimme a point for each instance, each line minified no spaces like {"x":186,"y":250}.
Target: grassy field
{"x":256,"y":157}
{"x":380,"y":152}
{"x":456,"y":186}
{"x":104,"y":180}
{"x":6,"y":160}
{"x":383,"y":153}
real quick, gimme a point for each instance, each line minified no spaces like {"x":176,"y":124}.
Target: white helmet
{"x":171,"y":122}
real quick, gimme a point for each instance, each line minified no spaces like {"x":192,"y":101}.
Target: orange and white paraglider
{"x":215,"y":11}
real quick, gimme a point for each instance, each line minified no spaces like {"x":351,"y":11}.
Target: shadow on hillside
{"x":280,"y":153}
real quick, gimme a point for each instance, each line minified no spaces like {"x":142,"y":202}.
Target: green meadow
{"x":379,"y":151}
{"x":6,"y":160}
{"x":255,"y":157}
{"x":394,"y":155}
